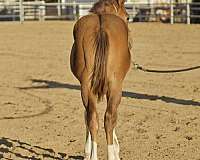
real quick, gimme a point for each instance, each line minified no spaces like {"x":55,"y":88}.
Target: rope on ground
{"x":138,"y":67}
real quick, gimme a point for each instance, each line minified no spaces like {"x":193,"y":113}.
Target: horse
{"x":100,"y":59}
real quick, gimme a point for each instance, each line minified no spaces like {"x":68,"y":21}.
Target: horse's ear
{"x":121,"y":2}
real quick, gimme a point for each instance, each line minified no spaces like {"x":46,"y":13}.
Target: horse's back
{"x":111,"y":23}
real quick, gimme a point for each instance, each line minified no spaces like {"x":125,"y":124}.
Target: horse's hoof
{"x":87,"y":157}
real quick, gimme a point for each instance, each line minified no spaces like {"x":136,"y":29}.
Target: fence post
{"x":42,"y":11}
{"x":188,"y":12}
{"x":152,"y":11}
{"x":171,"y":12}
{"x":74,"y":10}
{"x":21,"y":10}
{"x":133,"y":12}
{"x":59,"y":8}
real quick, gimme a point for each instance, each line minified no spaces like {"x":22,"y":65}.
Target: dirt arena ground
{"x":41,"y":113}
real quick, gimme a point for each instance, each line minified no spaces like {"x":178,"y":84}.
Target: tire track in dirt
{"x":47,"y":109}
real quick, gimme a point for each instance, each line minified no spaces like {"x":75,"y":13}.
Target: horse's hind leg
{"x":110,"y":121}
{"x":91,"y":120}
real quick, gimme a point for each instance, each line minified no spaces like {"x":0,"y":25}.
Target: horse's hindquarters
{"x":119,"y":54}
{"x":82,"y":52}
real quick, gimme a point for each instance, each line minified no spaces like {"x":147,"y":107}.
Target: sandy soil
{"x":41,"y":113}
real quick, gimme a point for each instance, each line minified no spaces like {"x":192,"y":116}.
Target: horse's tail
{"x":99,"y":75}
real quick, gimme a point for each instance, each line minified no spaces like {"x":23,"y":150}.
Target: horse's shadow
{"x":11,"y":149}
{"x":46,"y":84}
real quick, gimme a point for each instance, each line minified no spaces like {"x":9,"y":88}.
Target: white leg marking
{"x":88,"y":143}
{"x":88,"y":146}
{"x":113,"y":150}
{"x":94,"y":151}
{"x":111,"y":155}
{"x":115,"y":142}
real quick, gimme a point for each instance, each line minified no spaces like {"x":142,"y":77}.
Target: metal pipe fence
{"x":139,"y":12}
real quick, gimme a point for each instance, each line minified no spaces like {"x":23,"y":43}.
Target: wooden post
{"x":152,"y":10}
{"x":41,"y":11}
{"x":188,"y":12}
{"x":74,"y":10}
{"x":133,"y":12}
{"x":21,"y":10}
{"x":171,"y":12}
{"x":59,"y":8}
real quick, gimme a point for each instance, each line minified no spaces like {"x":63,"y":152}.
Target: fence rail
{"x":166,"y":12}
